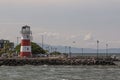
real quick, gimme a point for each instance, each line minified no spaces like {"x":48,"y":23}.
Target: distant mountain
{"x":64,"y":49}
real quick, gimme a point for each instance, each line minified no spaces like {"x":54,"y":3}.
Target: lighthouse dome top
{"x":25,"y":30}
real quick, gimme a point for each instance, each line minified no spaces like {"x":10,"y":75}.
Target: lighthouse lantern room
{"x":25,"y":50}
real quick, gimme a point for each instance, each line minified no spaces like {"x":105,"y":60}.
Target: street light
{"x":64,"y":53}
{"x":70,"y":51}
{"x":17,"y":43}
{"x":55,"y":49}
{"x":82,"y":52}
{"x":51,"y":49}
{"x":97,"y":48}
{"x":70,"y":55}
{"x":18,"y":40}
{"x":106,"y":50}
{"x":42,"y":41}
{"x":65,"y":49}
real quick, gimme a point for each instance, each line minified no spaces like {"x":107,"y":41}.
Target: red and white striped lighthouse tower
{"x":25,"y":50}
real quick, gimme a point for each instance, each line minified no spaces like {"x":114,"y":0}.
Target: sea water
{"x":46,"y":72}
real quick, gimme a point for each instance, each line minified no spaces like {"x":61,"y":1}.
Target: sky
{"x":78,"y":23}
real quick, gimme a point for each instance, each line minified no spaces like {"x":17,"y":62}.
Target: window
{"x":27,"y":48}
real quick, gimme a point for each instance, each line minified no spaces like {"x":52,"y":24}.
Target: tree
{"x":55,"y":53}
{"x":7,"y":49}
{"x":36,"y":49}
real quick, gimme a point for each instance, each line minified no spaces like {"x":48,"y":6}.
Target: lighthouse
{"x":25,"y":50}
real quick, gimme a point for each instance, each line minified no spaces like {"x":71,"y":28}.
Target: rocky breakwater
{"x":53,"y":61}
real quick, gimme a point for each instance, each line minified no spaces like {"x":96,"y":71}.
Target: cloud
{"x":88,"y":37}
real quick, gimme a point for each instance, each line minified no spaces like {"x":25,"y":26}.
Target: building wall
{"x":4,"y":42}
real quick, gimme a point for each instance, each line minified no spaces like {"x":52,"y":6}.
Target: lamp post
{"x":48,"y":50}
{"x":42,"y":41}
{"x":106,"y":50}
{"x":65,"y":49}
{"x":64,"y":53}
{"x":70,"y":55}
{"x":5,"y":42}
{"x":18,"y":40}
{"x":82,"y":52}
{"x":51,"y":49}
{"x":17,"y":43}
{"x":70,"y":51}
{"x":97,"y":48}
{"x":55,"y":49}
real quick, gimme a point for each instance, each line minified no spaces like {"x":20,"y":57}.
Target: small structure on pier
{"x":5,"y":43}
{"x":25,"y":50}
